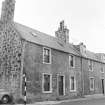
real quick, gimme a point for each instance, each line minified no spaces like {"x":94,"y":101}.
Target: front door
{"x":61,"y":85}
{"x":103,"y":86}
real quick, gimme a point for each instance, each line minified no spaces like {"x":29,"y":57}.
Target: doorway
{"x":61,"y":85}
{"x":102,"y":86}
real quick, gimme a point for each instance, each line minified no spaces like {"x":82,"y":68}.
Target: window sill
{"x":102,"y":72}
{"x":72,"y":67}
{"x":46,"y":63}
{"x":91,"y":89}
{"x":47,"y":92}
{"x":91,"y":70}
{"x":72,"y":90}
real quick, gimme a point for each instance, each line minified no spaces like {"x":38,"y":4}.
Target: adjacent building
{"x":55,"y":69}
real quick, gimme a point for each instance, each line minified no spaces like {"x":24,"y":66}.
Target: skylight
{"x":34,"y":34}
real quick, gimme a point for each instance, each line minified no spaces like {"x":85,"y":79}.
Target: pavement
{"x":87,"y":97}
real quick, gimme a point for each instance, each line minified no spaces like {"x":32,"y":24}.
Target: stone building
{"x":55,"y":68}
{"x":93,"y":68}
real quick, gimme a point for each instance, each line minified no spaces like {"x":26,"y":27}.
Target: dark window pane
{"x":102,"y":70}
{"x":71,"y":61}
{"x":46,"y":82}
{"x":72,"y":83}
{"x":92,"y":83}
{"x":46,"y":55}
{"x":90,"y":65}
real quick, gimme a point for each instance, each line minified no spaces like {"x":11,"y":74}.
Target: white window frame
{"x":43,"y":83}
{"x":101,"y":70}
{"x":75,"y":88}
{"x":73,"y":61}
{"x":64,"y":91}
{"x":91,"y":89}
{"x":49,"y":55}
{"x":89,"y":65}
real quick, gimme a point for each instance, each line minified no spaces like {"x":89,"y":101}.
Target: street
{"x":86,"y":102}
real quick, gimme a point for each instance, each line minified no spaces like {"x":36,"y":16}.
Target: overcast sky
{"x":84,"y":18}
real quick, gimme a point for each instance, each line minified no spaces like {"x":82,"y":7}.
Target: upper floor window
{"x":91,"y":83}
{"x":102,"y":70}
{"x":46,"y":83}
{"x":71,"y":61}
{"x":46,"y":55}
{"x":90,"y":64}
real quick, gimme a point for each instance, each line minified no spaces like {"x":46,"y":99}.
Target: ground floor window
{"x":72,"y":83}
{"x":46,"y":83}
{"x":91,"y":83}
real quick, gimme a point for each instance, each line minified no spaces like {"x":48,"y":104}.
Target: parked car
{"x":5,"y":96}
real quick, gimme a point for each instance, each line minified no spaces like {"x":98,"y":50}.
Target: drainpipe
{"x":82,"y":78}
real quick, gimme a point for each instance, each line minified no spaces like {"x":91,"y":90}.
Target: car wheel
{"x":5,"y":99}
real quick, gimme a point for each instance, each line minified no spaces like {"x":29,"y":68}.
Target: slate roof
{"x":89,"y":54}
{"x":101,"y":56}
{"x":43,"y":39}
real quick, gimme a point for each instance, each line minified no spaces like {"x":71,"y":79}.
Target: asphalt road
{"x":100,"y":101}
{"x":86,"y":102}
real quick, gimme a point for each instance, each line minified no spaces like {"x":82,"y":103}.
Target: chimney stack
{"x":82,"y":48}
{"x":8,"y":8}
{"x":62,"y":33}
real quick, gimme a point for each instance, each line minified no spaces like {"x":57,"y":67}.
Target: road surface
{"x":86,"y":102}
{"x":100,"y":101}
